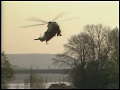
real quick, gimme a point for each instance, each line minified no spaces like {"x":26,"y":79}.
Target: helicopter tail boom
{"x":36,"y":39}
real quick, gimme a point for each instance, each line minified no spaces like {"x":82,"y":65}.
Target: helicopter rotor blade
{"x":32,"y":25}
{"x":60,"y":15}
{"x":37,"y":19}
{"x":68,"y":19}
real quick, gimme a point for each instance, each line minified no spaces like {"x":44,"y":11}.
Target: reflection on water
{"x":22,"y":86}
{"x":51,"y":78}
{"x":19,"y":78}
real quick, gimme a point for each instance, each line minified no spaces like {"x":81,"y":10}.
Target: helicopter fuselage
{"x":53,"y":29}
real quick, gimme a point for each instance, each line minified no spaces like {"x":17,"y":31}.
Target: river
{"x":51,"y":78}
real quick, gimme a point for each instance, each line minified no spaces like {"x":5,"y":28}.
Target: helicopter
{"x":53,"y":28}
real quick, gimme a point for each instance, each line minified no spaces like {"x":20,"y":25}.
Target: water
{"x":22,"y":86}
{"x":51,"y":78}
{"x":19,"y":78}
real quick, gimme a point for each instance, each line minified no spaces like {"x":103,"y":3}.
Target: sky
{"x":16,"y":40}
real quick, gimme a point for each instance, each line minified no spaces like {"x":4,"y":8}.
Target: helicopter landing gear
{"x":59,"y":33}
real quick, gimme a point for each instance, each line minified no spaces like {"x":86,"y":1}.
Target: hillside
{"x":42,"y":61}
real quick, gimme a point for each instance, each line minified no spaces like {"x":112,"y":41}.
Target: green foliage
{"x":7,"y":73}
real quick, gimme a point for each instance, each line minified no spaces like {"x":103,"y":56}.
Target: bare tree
{"x":17,"y":86}
{"x":91,"y":45}
{"x":100,"y":46}
{"x":35,"y":81}
{"x":26,"y":83}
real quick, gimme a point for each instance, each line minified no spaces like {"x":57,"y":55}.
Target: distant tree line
{"x":44,"y":71}
{"x":93,"y":57}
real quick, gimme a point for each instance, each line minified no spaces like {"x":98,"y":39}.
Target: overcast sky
{"x":16,"y":40}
